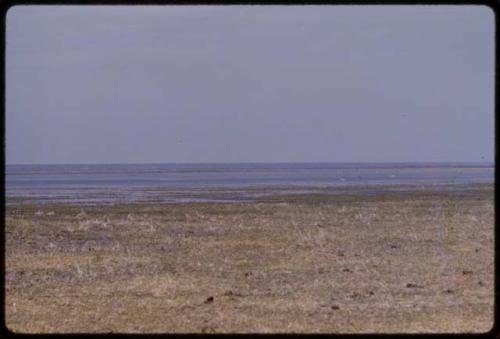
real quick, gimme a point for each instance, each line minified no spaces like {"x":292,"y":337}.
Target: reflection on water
{"x":92,"y":184}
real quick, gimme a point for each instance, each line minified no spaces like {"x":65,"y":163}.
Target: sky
{"x":327,"y":83}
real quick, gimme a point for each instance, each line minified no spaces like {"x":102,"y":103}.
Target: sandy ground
{"x":413,"y":262}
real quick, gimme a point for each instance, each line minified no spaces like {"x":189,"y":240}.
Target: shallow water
{"x":95,"y":184}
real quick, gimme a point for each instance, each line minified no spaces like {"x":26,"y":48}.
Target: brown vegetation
{"x":419,"y":262}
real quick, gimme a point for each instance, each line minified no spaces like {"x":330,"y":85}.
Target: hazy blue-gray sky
{"x":249,"y":83}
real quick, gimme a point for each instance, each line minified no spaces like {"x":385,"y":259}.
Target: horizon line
{"x":254,"y":162}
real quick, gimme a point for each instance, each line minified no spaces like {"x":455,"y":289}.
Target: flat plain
{"x":419,"y":261}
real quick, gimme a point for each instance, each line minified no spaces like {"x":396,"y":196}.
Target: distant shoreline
{"x":362,"y":164}
{"x":269,"y":195}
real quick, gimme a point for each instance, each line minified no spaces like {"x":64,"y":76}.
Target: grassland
{"x":415,"y":262}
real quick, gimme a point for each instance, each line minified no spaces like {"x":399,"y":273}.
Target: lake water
{"x":92,"y":184}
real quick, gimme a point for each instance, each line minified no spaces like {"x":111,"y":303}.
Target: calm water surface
{"x":91,"y":184}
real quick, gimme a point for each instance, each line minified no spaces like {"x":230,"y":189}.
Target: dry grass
{"x":421,"y":262}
